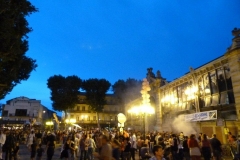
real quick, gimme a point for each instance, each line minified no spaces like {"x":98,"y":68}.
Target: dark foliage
{"x":15,"y":66}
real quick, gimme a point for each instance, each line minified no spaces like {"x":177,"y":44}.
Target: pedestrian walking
{"x":205,"y":147}
{"x":15,"y":151}
{"x":50,"y":145}
{"x":40,"y":152}
{"x":216,"y":147}
{"x":194,"y":148}
{"x":33,"y":149}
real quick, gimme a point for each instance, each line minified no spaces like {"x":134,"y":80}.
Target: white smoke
{"x":180,"y":125}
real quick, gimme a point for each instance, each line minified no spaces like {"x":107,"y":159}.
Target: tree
{"x":15,"y":66}
{"x":128,"y":90}
{"x":96,"y":90}
{"x":64,"y":91}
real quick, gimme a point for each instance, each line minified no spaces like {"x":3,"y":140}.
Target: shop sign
{"x":201,"y":116}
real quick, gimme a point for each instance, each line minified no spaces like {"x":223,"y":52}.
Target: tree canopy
{"x":15,"y":66}
{"x":127,"y":90}
{"x":64,"y":91}
{"x":96,"y":90}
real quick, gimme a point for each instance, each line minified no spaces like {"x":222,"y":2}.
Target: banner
{"x":201,"y":116}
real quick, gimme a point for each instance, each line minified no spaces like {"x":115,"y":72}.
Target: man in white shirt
{"x":2,"y":142}
{"x":133,"y":141}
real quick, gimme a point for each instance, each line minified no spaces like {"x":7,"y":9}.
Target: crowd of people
{"x":114,"y":145}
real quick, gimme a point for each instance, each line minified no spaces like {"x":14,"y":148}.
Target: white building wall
{"x":33,"y":107}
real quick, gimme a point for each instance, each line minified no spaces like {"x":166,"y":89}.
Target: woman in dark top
{"x":66,"y":148}
{"x":206,"y":149}
{"x":186,"y":149}
{"x":116,"y":149}
{"x":126,"y":152}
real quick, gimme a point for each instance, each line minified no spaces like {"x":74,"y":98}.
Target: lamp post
{"x":145,"y":109}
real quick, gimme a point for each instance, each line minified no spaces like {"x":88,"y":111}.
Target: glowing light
{"x":70,"y":120}
{"x":49,"y":123}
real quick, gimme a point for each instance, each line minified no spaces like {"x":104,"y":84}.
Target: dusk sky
{"x":120,"y":39}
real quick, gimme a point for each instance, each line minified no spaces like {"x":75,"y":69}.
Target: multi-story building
{"x":22,"y":110}
{"x":206,"y":99}
{"x":86,"y":118}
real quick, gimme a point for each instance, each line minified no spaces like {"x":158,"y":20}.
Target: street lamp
{"x":70,"y":121}
{"x":144,"y":109}
{"x":50,"y":124}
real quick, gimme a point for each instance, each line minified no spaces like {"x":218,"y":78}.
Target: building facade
{"x":22,"y":110}
{"x":87,"y":119}
{"x":206,"y":99}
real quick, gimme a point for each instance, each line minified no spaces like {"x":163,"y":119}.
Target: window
{"x":21,"y":112}
{"x":214,"y":100}
{"x":224,"y":98}
{"x":200,"y":86}
{"x":213,"y":82}
{"x":207,"y":101}
{"x":78,"y":108}
{"x":94,"y":118}
{"x":228,"y":77}
{"x":207,"y":90}
{"x":221,"y":80}
{"x":83,"y":108}
{"x":5,"y":113}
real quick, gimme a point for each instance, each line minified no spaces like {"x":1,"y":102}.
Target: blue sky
{"x":121,"y":39}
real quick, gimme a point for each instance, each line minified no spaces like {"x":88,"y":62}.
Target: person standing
{"x":66,"y":148}
{"x":15,"y":151}
{"x":116,"y":149}
{"x":83,"y":152}
{"x":174,"y":147}
{"x":31,"y":136}
{"x":2,"y":142}
{"x":235,"y":148}
{"x":194,"y":148}
{"x":40,"y":151}
{"x":133,"y":141}
{"x":158,"y":153}
{"x":50,"y":145}
{"x":106,"y":150}
{"x":91,"y":147}
{"x":10,"y":144}
{"x":33,"y":149}
{"x":216,"y":147}
{"x":185,"y":148}
{"x":206,"y":147}
{"x":39,"y":137}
